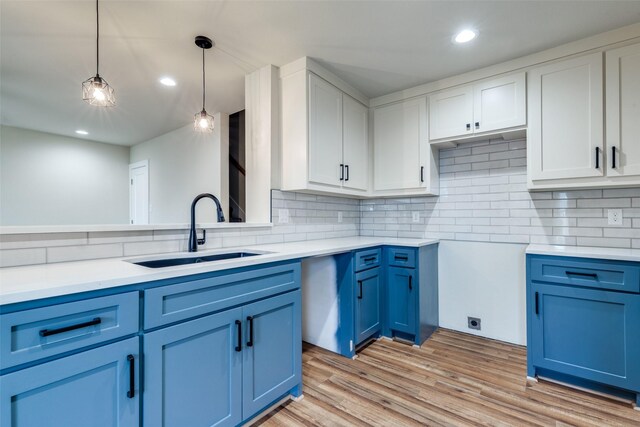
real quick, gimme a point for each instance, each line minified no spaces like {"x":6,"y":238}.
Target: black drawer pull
{"x":370,"y":259}
{"x":577,"y":273}
{"x":132,"y":376}
{"x":239,"y":325}
{"x":537,"y":304}
{"x":250,"y":342}
{"x":360,"y":291}
{"x":48,"y":332}
{"x":410,"y":282}
{"x":401,"y":258}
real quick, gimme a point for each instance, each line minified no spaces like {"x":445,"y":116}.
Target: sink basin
{"x":170,"y":262}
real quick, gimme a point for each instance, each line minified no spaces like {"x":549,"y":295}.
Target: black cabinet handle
{"x":613,"y":157}
{"x":468,"y":126}
{"x":477,"y":125}
{"x":360,"y":291}
{"x":537,"y":304}
{"x":93,"y":322}
{"x":370,"y":259}
{"x":132,"y":376}
{"x":239,"y":325}
{"x":250,"y":342}
{"x":597,"y":157}
{"x":577,"y":273}
{"x":401,"y":258}
{"x":410,"y":282}
{"x":341,"y":172}
{"x":421,"y":173}
{"x":346,"y":168}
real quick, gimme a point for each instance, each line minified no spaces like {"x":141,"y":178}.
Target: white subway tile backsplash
{"x":18,"y":257}
{"x":84,"y":252}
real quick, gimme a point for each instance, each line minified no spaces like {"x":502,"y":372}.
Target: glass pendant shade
{"x":96,"y":91}
{"x":203,"y":122}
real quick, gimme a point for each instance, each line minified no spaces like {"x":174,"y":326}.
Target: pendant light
{"x":96,"y":90}
{"x":203,"y":122}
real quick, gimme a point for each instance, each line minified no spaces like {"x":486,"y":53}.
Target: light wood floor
{"x":455,"y":379}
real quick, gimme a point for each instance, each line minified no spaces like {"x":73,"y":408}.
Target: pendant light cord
{"x":97,"y":39}
{"x":203,"y":80}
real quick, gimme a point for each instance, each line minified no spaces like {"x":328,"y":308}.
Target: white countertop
{"x":586,"y":252}
{"x":19,"y":284}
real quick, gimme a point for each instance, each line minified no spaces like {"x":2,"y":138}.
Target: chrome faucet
{"x":193,"y":238}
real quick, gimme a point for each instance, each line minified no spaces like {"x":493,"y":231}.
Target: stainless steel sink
{"x":170,"y":262}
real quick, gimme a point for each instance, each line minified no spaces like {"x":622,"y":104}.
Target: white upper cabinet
{"x":479,"y":109}
{"x":325,"y":146}
{"x":403,"y":160}
{"x":451,"y":113}
{"x":565,"y":135}
{"x":499,"y":103}
{"x":623,"y":111}
{"x":355,"y":144}
{"x":325,"y":132}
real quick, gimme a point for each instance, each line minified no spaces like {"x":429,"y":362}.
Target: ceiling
{"x":47,"y":49}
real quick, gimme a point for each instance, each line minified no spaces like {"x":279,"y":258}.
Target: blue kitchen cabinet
{"x":401,"y":300}
{"x":368,"y":309}
{"x":582,"y":323}
{"x":272,"y":351}
{"x":98,"y":387}
{"x":193,"y":372}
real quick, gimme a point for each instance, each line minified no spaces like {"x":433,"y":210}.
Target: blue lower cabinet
{"x":272,"y":351}
{"x":193,"y":373}
{"x":368,"y":310}
{"x":97,"y":387}
{"x":402,"y":304}
{"x":586,"y":333}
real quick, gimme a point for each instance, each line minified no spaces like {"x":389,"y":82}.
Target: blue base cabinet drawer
{"x":401,"y":257}
{"x":587,"y":333}
{"x":26,"y":336}
{"x":89,"y":389}
{"x":367,"y":259}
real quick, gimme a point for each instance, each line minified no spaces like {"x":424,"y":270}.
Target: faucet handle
{"x":204,"y":237}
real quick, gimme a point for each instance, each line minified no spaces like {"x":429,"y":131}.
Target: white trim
{"x":132,"y":166}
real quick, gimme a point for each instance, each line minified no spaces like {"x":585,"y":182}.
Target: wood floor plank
{"x":454,"y":379}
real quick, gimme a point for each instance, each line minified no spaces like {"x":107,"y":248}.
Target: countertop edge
{"x":616,"y":254}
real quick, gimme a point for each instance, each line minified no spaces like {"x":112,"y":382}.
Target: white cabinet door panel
{"x":325,"y":132}
{"x":499,"y":103}
{"x":623,"y":111}
{"x":451,"y":113}
{"x":566,"y":119}
{"x":355,"y":144}
{"x":398,"y":131}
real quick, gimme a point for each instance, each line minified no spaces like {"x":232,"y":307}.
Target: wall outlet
{"x":416,"y":216}
{"x":614,"y":216}
{"x":283,"y":216}
{"x":339,"y":216}
{"x":474,"y":323}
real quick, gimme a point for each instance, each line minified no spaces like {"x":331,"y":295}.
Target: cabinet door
{"x":193,"y":373}
{"x":623,"y":111}
{"x":325,"y":132}
{"x":451,"y":113}
{"x":402,"y":299}
{"x":398,"y":130}
{"x":499,"y":103}
{"x":355,"y":144}
{"x":565,"y":134}
{"x":273,"y":348}
{"x":87,"y":389}
{"x":587,"y":333}
{"x":368,"y":309}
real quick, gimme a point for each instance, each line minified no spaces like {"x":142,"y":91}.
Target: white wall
{"x":182,"y":164}
{"x":48,"y":179}
{"x":485,"y":280}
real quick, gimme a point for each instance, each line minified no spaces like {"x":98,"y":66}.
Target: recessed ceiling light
{"x":465,"y":36}
{"x":82,"y":132}
{"x":168,"y":81}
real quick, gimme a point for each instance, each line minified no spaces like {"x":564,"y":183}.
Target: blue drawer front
{"x":367,"y":259}
{"x":601,"y":274}
{"x":34,"y":334}
{"x":587,"y":333}
{"x":401,"y":257}
{"x":172,"y":303}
